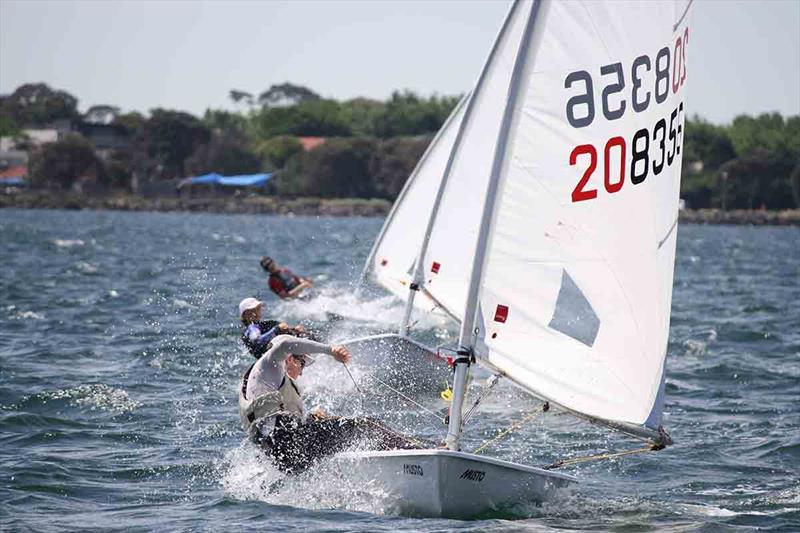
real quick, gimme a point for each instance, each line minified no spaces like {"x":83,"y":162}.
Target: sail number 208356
{"x":640,"y":163}
{"x":670,"y":74}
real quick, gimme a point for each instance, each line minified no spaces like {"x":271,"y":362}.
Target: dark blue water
{"x":119,"y":362}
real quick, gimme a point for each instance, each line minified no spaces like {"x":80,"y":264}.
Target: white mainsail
{"x":554,"y":236}
{"x":574,"y":283}
{"x":394,"y":253}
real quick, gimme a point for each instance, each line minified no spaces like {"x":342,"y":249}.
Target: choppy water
{"x":119,"y":362}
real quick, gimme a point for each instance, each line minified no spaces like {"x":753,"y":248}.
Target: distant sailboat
{"x":550,"y":207}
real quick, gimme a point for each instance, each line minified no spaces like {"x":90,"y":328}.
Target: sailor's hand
{"x":318,"y":413}
{"x":340,"y":353}
{"x":283,"y":327}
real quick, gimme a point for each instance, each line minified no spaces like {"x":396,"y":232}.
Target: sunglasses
{"x":300,"y":359}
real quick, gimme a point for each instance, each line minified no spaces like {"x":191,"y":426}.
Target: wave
{"x":95,"y":397}
{"x":15,"y":314}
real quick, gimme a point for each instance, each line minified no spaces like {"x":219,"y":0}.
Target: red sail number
{"x":578,"y":194}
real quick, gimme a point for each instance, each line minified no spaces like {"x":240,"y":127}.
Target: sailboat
{"x":543,"y":218}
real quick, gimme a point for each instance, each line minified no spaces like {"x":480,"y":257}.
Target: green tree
{"x":286,"y":94}
{"x":277,"y":151}
{"x":223,"y":155}
{"x":706,"y":148}
{"x":241,"y":97}
{"x":764,"y":132}
{"x":707,"y":143}
{"x":226,"y":123}
{"x":8,"y":127}
{"x":36,"y":104}
{"x":394,"y":161}
{"x":133,"y":122}
{"x":339,"y":168}
{"x":759,"y":179}
{"x":362,"y":114}
{"x":172,"y":136}
{"x":67,"y":163}
{"x":320,"y":118}
{"x":407,"y":114}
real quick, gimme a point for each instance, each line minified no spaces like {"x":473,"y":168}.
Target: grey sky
{"x":188,"y":55}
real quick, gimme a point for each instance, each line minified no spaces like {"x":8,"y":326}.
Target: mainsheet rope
{"x":513,"y":427}
{"x":600,"y":456}
{"x":422,"y":443}
{"x":545,"y":408}
{"x":432,"y":413}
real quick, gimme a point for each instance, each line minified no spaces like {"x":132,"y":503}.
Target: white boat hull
{"x":444,"y":483}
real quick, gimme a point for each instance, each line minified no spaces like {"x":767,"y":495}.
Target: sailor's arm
{"x":285,"y":345}
{"x":260,"y":340}
{"x":304,"y":284}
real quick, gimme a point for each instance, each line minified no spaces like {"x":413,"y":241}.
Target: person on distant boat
{"x":273,"y":413}
{"x":282,"y":281}
{"x":256,"y":333}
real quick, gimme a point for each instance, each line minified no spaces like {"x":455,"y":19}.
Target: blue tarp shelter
{"x":246,"y":180}
{"x":13,"y":181}
{"x":205,"y":178}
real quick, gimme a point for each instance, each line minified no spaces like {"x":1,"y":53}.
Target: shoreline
{"x":349,"y":207}
{"x":262,"y":205}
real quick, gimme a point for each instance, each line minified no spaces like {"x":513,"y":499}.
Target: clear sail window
{"x":573,"y":315}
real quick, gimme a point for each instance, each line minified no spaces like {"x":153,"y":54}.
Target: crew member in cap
{"x":257,"y":333}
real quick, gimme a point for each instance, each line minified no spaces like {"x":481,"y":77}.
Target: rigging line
{"x":353,"y":380}
{"x":432,"y":413}
{"x":395,"y":391}
{"x":422,"y":443}
{"x":685,"y":11}
{"x":386,"y":427}
{"x":600,"y":456}
{"x":514,"y":427}
{"x":431,"y":310}
{"x":661,"y":243}
{"x":494,"y":379}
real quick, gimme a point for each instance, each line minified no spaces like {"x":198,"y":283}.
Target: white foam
{"x":249,"y":475}
{"x":96,"y":397}
{"x":181,"y":304}
{"x":68,"y":243}
{"x":384,"y":312}
{"x":86,"y":268}
{"x":14,"y":314}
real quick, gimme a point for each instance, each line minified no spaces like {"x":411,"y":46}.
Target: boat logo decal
{"x":412,"y":470}
{"x":435,"y":267}
{"x":473,"y":475}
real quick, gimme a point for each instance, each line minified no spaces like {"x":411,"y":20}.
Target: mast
{"x":466,"y":341}
{"x":418,"y":279}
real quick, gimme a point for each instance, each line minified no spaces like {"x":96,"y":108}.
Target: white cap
{"x":247,"y":304}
